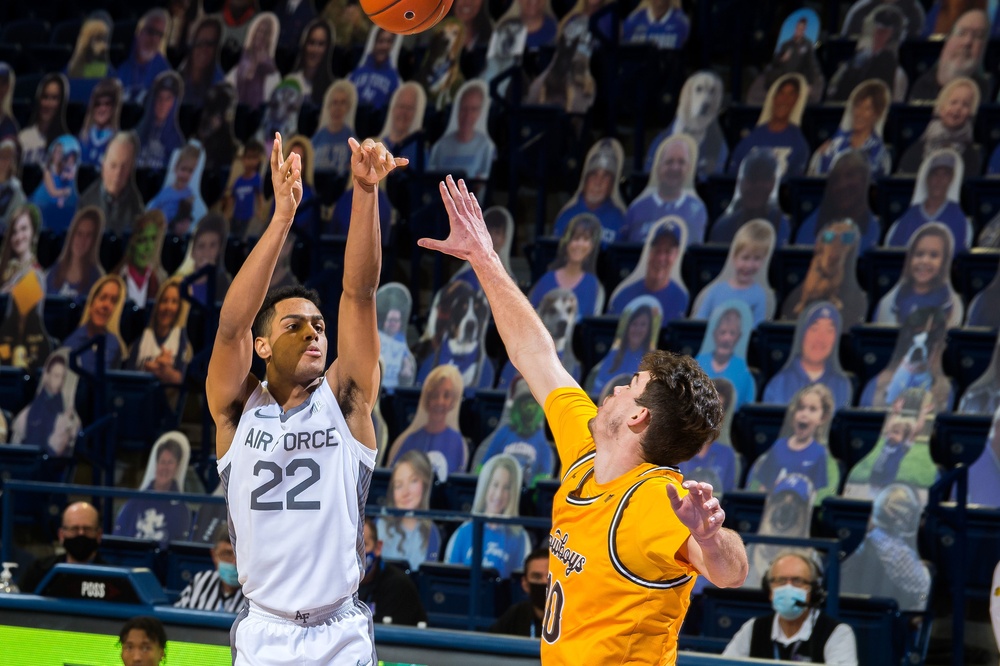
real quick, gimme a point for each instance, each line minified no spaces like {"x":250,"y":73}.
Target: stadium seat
{"x":15,"y":384}
{"x":702,"y":264}
{"x":871,"y":346}
{"x":906,"y":122}
{"x":892,"y":197}
{"x":854,"y":432}
{"x":833,"y":52}
{"x":981,"y":527}
{"x":683,"y":336}
{"x":616,"y":263}
{"x":592,"y":338}
{"x":744,"y":510}
{"x":738,"y":121}
{"x":459,"y":492}
{"x":26,"y":32}
{"x":545,"y":492}
{"x":967,"y":354}
{"x":772,"y":343}
{"x":819,"y":123}
{"x":879,"y":270}
{"x":50,"y":57}
{"x":183,"y":560}
{"x":132,"y":552}
{"x":980,"y":200}
{"x":917,"y":56}
{"x":542,"y":253}
{"x":789,"y":266}
{"x":445,"y":591}
{"x":378,"y":489}
{"x":480,"y":415}
{"x":755,"y":428}
{"x":959,"y":439}
{"x":65,"y":32}
{"x":973,"y":270}
{"x":803,"y":196}
{"x":137,"y":398}
{"x":846,"y":520}
{"x":399,"y":409}
{"x":717,"y":192}
{"x":61,"y":315}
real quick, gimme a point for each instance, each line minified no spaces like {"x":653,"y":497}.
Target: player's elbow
{"x":733,"y":575}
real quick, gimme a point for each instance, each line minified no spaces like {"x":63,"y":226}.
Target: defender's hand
{"x":468,"y":233}
{"x":698,"y":510}
{"x":371,"y":162}
{"x":286,"y":177}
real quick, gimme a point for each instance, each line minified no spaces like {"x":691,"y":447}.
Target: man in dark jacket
{"x":525,"y":618}
{"x":79,"y":534}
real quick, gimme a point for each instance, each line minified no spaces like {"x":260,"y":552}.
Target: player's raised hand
{"x":286,"y":177}
{"x":698,"y":510}
{"x":468,"y":233}
{"x":371,"y":162}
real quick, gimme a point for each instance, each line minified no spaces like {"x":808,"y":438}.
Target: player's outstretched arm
{"x":528,"y":342}
{"x":356,"y":368}
{"x":716,"y":552}
{"x":228,"y":380}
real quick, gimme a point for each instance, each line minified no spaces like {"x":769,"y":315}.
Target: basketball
{"x":406,"y":17}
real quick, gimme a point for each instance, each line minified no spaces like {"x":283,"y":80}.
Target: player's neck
{"x":288,"y":393}
{"x":615,"y":459}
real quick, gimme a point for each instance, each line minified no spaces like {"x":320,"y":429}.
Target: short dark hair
{"x":684,"y":408}
{"x":540,"y":553}
{"x":253,"y":146}
{"x":262,"y":322}
{"x":150,"y":625}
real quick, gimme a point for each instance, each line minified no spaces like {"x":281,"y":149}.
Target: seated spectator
{"x":18,"y":255}
{"x":115,"y":193}
{"x":962,"y":55}
{"x":8,"y":123}
{"x":389,"y":593}
{"x":11,"y":191}
{"x":399,"y":367}
{"x":158,"y":519}
{"x":48,"y":119}
{"x":538,"y":19}
{"x":935,"y":199}
{"x":333,"y":154}
{"x":179,"y":200}
{"x":405,"y":119}
{"x":850,"y":174}
{"x":658,"y":22}
{"x":140,"y":267}
{"x":637,"y":333}
{"x":525,"y":618}
{"x":598,"y":192}
{"x":951,"y":127}
{"x":876,"y":57}
{"x":797,"y":630}
{"x":163,"y":349}
{"x":416,"y":540}
{"x":148,"y":57}
{"x":698,"y":116}
{"x":91,"y":59}
{"x":50,"y":421}
{"x":57,"y":195}
{"x":243,"y":199}
{"x":497,"y":494}
{"x":143,"y":641}
{"x":744,"y":276}
{"x":926,"y":279}
{"x":860,"y":129}
{"x":256,"y":74}
{"x":376,"y":77}
{"x":159,"y":130}
{"x":716,"y":462}
{"x":466,"y":149}
{"x":723,"y":350}
{"x":101,"y":317}
{"x":79,"y":534}
{"x":756,"y":198}
{"x":440,"y":72}
{"x":794,"y":53}
{"x":101,"y":122}
{"x":216,"y":589}
{"x":778,"y":127}
{"x":207,"y":248}
{"x":215,"y":130}
{"x":201,"y":70}
{"x":670,"y":191}
{"x":521,"y":435}
{"x":813,"y":360}
{"x":575,"y":267}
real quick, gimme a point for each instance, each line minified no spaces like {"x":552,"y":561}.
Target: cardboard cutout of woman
{"x":961,"y":55}
{"x":159,"y":130}
{"x":832,"y":276}
{"x":78,"y":266}
{"x":698,"y":109}
{"x":951,"y":127}
{"x":404,"y":119}
{"x":911,"y":12}
{"x":91,"y":59}
{"x":256,"y":75}
{"x":20,"y":243}
{"x":56,"y":195}
{"x":101,"y":122}
{"x":662,"y":24}
{"x":756,"y":198}
{"x":915,"y":363}
{"x":281,"y":113}
{"x":333,"y":154}
{"x":983,"y":395}
{"x":778,"y":127}
{"x":207,"y":248}
{"x":48,"y":118}
{"x":887,"y":563}
{"x":567,"y":82}
{"x":440,"y":73}
{"x":598,"y":192}
{"x":140,"y":268}
{"x":50,"y":420}
{"x":670,"y":191}
{"x":294,"y":17}
{"x":148,"y":57}
{"x":312,"y":66}
{"x":842,"y":199}
{"x":497,"y":494}
{"x":163,"y":349}
{"x":157,"y":519}
{"x":101,"y":317}
{"x":8,"y":123}
{"x":926,"y":280}
{"x":658,"y":272}
{"x":744,"y":276}
{"x":506,"y":50}
{"x":637,"y":333}
{"x":476,"y":21}
{"x":537,"y":17}
{"x":801,"y":447}
{"x":466,"y":148}
{"x":434,"y":429}
{"x":984,"y":473}
{"x":455,"y":334}
{"x":394,"y":305}
{"x":500,"y":225}
{"x":349,"y":22}
{"x":860,"y":129}
{"x":794,"y":53}
{"x":416,"y":540}
{"x":558,"y":311}
{"x":24,"y":342}
{"x":723,"y":351}
{"x":935,"y":199}
{"x":377,"y":75}
{"x":215,"y":129}
{"x":520,"y":434}
{"x":788,"y":510}
{"x":11,"y":191}
{"x":201,"y":70}
{"x":180,"y":198}
{"x":308,"y":210}
{"x":717,"y":462}
{"x":984,"y":310}
{"x":876,"y":56}
{"x":814,"y":359}
{"x":575,"y":267}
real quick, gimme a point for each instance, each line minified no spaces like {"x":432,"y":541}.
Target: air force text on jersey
{"x":261,"y":439}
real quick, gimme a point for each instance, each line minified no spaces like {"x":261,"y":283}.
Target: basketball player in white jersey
{"x":296,"y":452}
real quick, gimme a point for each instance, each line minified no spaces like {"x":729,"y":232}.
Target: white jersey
{"x":296,"y":485}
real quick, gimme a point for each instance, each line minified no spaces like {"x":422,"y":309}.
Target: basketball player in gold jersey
{"x":621,"y":563}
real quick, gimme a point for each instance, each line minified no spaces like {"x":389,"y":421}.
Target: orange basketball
{"x":406,"y":17}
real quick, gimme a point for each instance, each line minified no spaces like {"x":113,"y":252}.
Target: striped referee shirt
{"x":205,"y":593}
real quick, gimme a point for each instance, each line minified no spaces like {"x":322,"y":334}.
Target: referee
{"x":216,"y":589}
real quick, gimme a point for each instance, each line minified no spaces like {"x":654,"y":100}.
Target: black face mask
{"x":80,"y":547}
{"x":537,"y":593}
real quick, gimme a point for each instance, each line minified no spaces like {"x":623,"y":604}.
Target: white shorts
{"x":338,"y":635}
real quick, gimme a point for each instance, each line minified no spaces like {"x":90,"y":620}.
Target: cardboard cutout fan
{"x":140,"y":268}
{"x":575,"y":267}
{"x":207,"y":247}
{"x":416,"y":540}
{"x":159,"y":131}
{"x":336,"y":126}
{"x":723,"y":351}
{"x":788,"y":511}
{"x":877,"y":53}
{"x":164,"y":349}
{"x":637,"y":333}
{"x":756,"y":197}
{"x":179,"y":200}
{"x":47,"y":121}
{"x":983,"y":395}
{"x":936,"y":198}
{"x":658,"y":272}
{"x":466,"y":148}
{"x":961,"y":55}
{"x":216,"y":126}
{"x":101,"y":122}
{"x":698,"y":109}
{"x":256,"y":74}
{"x":598,"y":192}
{"x":500,"y":225}
{"x":376,"y":77}
{"x":558,"y":312}
{"x":455,"y":335}
{"x":101,"y":318}
{"x":440,"y":73}
{"x":157,"y":519}
{"x":56,"y":196}
{"x":394,"y":304}
{"x":860,"y":129}
{"x":794,"y":52}
{"x":912,"y":17}
{"x":717,"y":463}
{"x":744,"y":275}
{"x":50,"y":420}
{"x":778,"y":127}
{"x":849,"y":176}
{"x":984,"y":473}
{"x":116,"y":193}
{"x":537,"y":17}
{"x":952,"y":126}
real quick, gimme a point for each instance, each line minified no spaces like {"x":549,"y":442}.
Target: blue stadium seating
{"x":872,"y":346}
{"x":592,"y":338}
{"x":803,"y":195}
{"x":480,"y":415}
{"x":789,"y":266}
{"x":879,"y":270}
{"x":616,"y":263}
{"x":755,"y":429}
{"x":892,"y":198}
{"x":702,"y":264}
{"x":683,"y":336}
{"x":15,"y":386}
{"x":26,"y":32}
{"x":846,"y":520}
{"x":445,"y":591}
{"x":378,"y":490}
{"x":744,"y":510}
{"x":854,"y":432}
{"x":972,"y":271}
{"x":959,"y":439}
{"x":459,"y":491}
{"x":967,"y":355}
{"x":132,"y":552}
{"x":183,"y":560}
{"x":772,"y":343}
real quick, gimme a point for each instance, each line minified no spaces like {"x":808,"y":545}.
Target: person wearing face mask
{"x":797,"y":630}
{"x":525,"y":618}
{"x":79,"y":534}
{"x":216,"y":589}
{"x":390,"y":594}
